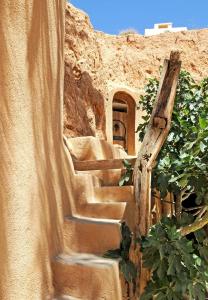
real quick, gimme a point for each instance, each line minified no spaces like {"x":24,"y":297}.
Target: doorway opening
{"x":124,"y":121}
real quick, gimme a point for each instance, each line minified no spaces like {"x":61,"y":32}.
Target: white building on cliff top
{"x":163,"y":27}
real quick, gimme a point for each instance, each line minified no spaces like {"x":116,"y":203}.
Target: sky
{"x":113,"y":16}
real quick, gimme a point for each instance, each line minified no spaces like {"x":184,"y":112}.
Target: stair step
{"x":88,"y":179}
{"x":93,"y":148}
{"x":86,"y":183}
{"x":114,"y":194}
{"x":82,"y":276}
{"x":66,"y":298}
{"x":90,"y":235}
{"x":109,"y":177}
{"x":103,"y":210}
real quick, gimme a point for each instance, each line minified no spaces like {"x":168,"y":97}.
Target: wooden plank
{"x":101,"y":164}
{"x":155,"y":136}
{"x":154,"y":139}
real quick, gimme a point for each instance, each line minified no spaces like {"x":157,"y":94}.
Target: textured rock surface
{"x":95,"y":60}
{"x":84,"y":103}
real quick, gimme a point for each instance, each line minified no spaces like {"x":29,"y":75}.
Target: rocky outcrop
{"x":84,"y":102}
{"x":94,"y":60}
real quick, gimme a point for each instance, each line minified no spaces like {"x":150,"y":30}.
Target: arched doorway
{"x":124,"y":121}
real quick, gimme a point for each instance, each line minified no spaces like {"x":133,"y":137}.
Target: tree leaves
{"x":178,"y":265}
{"x":127,"y":267}
{"x":126,"y":178}
{"x":203,"y":122}
{"x":202,"y":147}
{"x":183,"y":160}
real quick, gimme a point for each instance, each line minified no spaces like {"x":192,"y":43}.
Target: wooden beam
{"x":101,"y":164}
{"x":155,"y":136}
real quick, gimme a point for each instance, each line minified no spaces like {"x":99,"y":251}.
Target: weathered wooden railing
{"x":154,"y":138}
{"x":103,"y":164}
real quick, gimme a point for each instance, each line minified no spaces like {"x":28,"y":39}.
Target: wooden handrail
{"x":155,"y":136}
{"x":104,"y":164}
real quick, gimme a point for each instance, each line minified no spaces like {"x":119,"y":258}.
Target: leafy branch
{"x":198,"y":224}
{"x":176,"y":249}
{"x":178,"y":265}
{"x":182,"y":166}
{"x":126,"y":266}
{"x":126,"y":178}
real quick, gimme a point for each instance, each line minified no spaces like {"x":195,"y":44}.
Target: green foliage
{"x":126,"y":266}
{"x":183,"y":161}
{"x":178,"y":265}
{"x":146,"y":103}
{"x":126,"y":178}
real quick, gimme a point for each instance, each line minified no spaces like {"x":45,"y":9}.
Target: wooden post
{"x":154,"y":139}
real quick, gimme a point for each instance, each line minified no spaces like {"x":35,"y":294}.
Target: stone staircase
{"x":81,"y":272}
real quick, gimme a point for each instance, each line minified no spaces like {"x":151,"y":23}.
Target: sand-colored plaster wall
{"x":35,"y":178}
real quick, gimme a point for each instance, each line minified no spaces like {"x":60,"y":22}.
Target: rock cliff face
{"x":95,"y":60}
{"x":84,"y":101}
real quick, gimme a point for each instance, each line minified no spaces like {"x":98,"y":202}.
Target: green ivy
{"x":179,"y":266}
